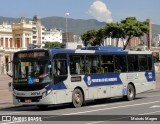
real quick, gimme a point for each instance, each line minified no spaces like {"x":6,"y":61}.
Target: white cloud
{"x":100,"y":12}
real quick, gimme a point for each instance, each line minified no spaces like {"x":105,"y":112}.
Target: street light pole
{"x":66,"y":14}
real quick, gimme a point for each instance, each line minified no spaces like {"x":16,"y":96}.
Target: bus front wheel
{"x":77,"y":98}
{"x":130,"y":93}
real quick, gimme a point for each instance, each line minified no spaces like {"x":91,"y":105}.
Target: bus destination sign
{"x":31,"y":55}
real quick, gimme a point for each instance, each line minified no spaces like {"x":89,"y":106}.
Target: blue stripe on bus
{"x":150,"y":76}
{"x":93,"y":80}
{"x":59,"y":86}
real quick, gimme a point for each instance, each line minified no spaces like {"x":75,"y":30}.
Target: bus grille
{"x":27,"y":87}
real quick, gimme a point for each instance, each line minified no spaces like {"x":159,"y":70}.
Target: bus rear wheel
{"x":130,"y":92}
{"x":77,"y":98}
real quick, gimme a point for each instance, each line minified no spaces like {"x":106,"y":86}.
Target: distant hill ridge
{"x":77,"y":26}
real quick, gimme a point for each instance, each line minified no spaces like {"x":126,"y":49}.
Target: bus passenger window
{"x":143,"y":63}
{"x":149,"y":63}
{"x":60,"y":68}
{"x":107,"y":63}
{"x":120,"y":63}
{"x":76,"y":64}
{"x":132,"y":63}
{"x":92,"y":63}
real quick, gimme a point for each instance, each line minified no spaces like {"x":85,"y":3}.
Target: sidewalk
{"x":4,"y":80}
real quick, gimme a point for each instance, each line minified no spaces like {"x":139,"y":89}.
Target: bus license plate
{"x":28,"y":100}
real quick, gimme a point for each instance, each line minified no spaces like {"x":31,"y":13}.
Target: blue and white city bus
{"x":45,"y":77}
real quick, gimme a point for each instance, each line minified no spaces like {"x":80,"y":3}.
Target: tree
{"x":88,"y":37}
{"x":133,"y":28}
{"x":114,"y":30}
{"x":53,"y":45}
{"x":127,"y":29}
{"x":99,"y":37}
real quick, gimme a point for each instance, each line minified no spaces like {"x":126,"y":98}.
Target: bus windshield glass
{"x":32,"y":67}
{"x":37,"y":71}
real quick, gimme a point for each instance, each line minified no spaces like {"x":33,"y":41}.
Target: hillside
{"x":155,"y":29}
{"x":73,"y":25}
{"x":77,"y":26}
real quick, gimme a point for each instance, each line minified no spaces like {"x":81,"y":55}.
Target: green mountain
{"x":77,"y":26}
{"x":155,"y":29}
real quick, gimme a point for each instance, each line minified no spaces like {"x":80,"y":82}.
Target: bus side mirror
{"x":9,"y":73}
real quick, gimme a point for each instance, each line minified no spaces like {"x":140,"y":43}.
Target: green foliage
{"x":156,"y":58}
{"x":127,"y":29}
{"x":88,"y":36}
{"x":133,"y":28}
{"x":53,"y":45}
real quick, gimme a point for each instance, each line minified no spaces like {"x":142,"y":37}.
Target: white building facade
{"x":53,"y":35}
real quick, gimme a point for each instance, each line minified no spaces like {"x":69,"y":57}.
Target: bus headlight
{"x":49,"y":91}
{"x":46,"y":93}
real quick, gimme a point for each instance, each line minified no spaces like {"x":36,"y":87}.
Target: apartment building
{"x":53,"y":35}
{"x":38,"y":32}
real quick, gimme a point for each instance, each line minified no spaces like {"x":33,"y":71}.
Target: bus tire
{"x":130,"y":92}
{"x":42,"y":107}
{"x":77,"y":98}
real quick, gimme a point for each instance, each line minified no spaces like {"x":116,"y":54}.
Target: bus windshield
{"x":38,"y":71}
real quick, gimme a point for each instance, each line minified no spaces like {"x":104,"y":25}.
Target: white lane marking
{"x":153,"y":96}
{"x":95,"y":122}
{"x":119,"y":103}
{"x":111,"y":108}
{"x":155,"y":106}
{"x":12,"y":122}
{"x":150,"y":113}
{"x":10,"y":113}
{"x":110,"y":104}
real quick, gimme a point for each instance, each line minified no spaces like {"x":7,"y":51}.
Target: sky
{"x":101,"y":10}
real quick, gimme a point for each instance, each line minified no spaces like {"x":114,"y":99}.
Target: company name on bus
{"x":104,"y":80}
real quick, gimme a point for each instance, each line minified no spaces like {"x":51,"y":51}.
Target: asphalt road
{"x":145,"y":104}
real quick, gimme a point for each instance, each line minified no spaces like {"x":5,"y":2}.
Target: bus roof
{"x":98,"y":49}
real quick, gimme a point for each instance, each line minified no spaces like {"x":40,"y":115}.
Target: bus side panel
{"x":139,"y":80}
{"x":116,"y":90}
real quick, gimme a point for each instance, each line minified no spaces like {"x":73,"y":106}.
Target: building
{"x":22,"y":34}
{"x":6,"y":36}
{"x":38,"y":32}
{"x":53,"y":35}
{"x":156,"y":40}
{"x":19,"y":36}
{"x":6,"y":43}
{"x":78,"y":41}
